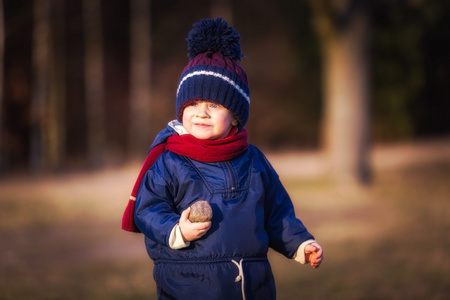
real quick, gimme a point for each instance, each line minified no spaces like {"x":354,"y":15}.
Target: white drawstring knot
{"x":240,"y":276}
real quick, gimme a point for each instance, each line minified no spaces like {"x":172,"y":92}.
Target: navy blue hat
{"x":213,"y":72}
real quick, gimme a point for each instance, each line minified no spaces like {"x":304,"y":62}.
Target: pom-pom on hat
{"x":213,"y":72}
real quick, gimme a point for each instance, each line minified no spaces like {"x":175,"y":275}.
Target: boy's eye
{"x":210,"y":104}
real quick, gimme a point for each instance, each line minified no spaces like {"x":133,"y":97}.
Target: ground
{"x":60,"y":236}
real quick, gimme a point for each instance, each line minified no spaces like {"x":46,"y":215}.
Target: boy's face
{"x":207,"y":120}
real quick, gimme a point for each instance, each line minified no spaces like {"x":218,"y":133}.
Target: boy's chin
{"x":204,"y":135}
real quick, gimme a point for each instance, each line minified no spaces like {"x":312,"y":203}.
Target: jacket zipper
{"x":232,"y":179}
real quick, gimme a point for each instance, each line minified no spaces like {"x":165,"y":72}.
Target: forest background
{"x":70,"y":83}
{"x":86,"y":85}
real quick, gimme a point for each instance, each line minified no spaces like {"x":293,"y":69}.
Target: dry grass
{"x":386,"y":242}
{"x":60,"y":238}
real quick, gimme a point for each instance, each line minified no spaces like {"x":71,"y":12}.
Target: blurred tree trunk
{"x":57,"y":95}
{"x":2,"y":52}
{"x":223,"y":9}
{"x":343,"y":28}
{"x":140,"y":77}
{"x":94,"y":78}
{"x":48,"y":97}
{"x":41,"y":28}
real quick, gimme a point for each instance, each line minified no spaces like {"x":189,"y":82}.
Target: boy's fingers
{"x":185,"y":214}
{"x":208,"y":225}
{"x":310,"y":248}
{"x":204,"y":225}
{"x":314,"y":247}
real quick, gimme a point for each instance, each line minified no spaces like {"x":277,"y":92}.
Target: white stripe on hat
{"x":221,"y":76}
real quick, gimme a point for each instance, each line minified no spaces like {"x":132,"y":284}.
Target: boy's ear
{"x":235,"y":122}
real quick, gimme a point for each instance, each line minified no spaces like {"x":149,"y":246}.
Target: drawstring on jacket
{"x":240,"y":277}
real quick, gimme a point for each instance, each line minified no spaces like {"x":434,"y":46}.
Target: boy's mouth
{"x":201,"y":125}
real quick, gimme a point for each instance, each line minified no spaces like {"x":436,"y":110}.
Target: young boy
{"x":205,"y":155}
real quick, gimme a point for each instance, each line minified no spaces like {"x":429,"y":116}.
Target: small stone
{"x":201,"y":211}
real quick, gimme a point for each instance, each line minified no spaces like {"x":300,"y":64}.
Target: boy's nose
{"x":202,"y":110}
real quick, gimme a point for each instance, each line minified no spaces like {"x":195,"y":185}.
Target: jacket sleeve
{"x":155,"y":213}
{"x":286,"y":232}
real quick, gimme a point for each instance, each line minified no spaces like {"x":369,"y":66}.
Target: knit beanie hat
{"x":213,"y":72}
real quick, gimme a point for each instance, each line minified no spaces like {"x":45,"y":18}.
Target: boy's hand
{"x":192,"y":231}
{"x":314,"y":254}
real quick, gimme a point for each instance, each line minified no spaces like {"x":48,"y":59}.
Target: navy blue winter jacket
{"x":251,"y":212}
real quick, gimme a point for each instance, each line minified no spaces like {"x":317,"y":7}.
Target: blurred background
{"x":349,"y":99}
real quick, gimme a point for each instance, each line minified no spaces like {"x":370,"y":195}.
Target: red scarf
{"x":187,"y":145}
{"x":209,"y":150}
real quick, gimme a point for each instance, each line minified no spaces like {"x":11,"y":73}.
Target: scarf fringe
{"x":128,"y":223}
